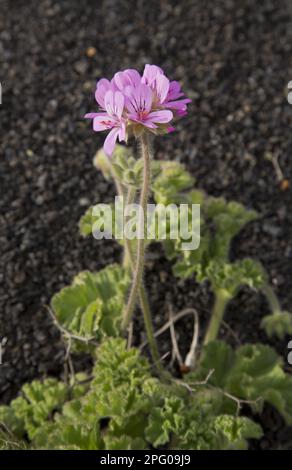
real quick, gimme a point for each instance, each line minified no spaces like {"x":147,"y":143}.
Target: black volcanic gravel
{"x":234,"y":59}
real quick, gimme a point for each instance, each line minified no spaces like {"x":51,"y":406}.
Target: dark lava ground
{"x":234,"y":60}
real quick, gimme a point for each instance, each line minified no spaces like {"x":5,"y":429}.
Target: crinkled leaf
{"x":253,"y":373}
{"x":219,"y":357}
{"x":125,"y":408}
{"x":279,"y":324}
{"x":91,"y":306}
{"x":228,"y":218}
{"x":170,"y":184}
{"x":237,"y":430}
{"x":231,"y":276}
{"x":164,"y":421}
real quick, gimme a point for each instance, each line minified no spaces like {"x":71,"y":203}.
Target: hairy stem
{"x":221,"y":300}
{"x":128,"y":260}
{"x":139,"y":268}
{"x":144,"y":304}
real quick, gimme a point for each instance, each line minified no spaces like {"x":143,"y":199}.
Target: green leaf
{"x":124,"y":443}
{"x":258,"y":374}
{"x":125,"y":408}
{"x":217,"y":356}
{"x":253,"y":373}
{"x":237,"y":430}
{"x":231,"y":276}
{"x":38,"y":402}
{"x":86,"y":222}
{"x":228,"y":218}
{"x":11,"y":422}
{"x":279,"y":324}
{"x":164,"y":421}
{"x":92,"y":305}
{"x":170,"y":184}
{"x":98,"y":221}
{"x":8,"y":441}
{"x":104,"y":164}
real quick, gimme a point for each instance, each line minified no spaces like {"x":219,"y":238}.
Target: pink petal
{"x":109,"y":102}
{"x":127,"y":77}
{"x":110,"y":141}
{"x":119,"y":102}
{"x":180,"y":113}
{"x":139,"y":99}
{"x":102,"y":87}
{"x":91,"y":115}
{"x":134,"y":76}
{"x":150,"y":73}
{"x":144,"y":121}
{"x":160,"y":117}
{"x":161,"y":86}
{"x":103,"y":122}
{"x":114,"y":103}
{"x":149,"y":124}
{"x":174,"y":91}
{"x":180,"y":104}
{"x":146,"y":97}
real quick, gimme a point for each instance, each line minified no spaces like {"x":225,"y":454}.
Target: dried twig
{"x":239,"y":402}
{"x":175,"y":348}
{"x":11,"y":443}
{"x":153,"y":364}
{"x":190,"y":358}
{"x":274,"y":159}
{"x":164,"y":328}
{"x":67,"y":333}
{"x":130,"y":336}
{"x":190,"y":387}
{"x":232,"y":332}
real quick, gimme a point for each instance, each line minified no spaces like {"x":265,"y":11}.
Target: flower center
{"x":142,"y":114}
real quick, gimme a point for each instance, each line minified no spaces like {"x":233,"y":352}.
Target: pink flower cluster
{"x":131,"y":104}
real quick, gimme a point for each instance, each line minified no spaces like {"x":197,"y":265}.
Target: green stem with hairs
{"x":128,"y":259}
{"x":140,"y":254}
{"x":144,"y":304}
{"x":222,"y":298}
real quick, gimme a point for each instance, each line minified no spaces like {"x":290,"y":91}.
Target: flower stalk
{"x":140,"y":255}
{"x":272,"y":298}
{"x":128,"y":262}
{"x":144,"y":304}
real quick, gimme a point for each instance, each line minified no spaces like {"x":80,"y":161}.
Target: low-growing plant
{"x":127,"y":401}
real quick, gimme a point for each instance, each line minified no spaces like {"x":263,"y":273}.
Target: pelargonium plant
{"x":128,"y":403}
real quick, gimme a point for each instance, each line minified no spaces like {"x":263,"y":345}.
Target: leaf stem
{"x":268,"y":291}
{"x":222,"y":298}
